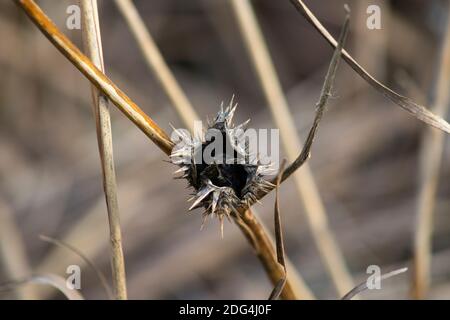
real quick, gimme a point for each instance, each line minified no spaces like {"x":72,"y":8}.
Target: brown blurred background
{"x":365,"y":158}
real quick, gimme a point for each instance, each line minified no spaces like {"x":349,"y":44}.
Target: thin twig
{"x":263,"y":245}
{"x":93,"y":46}
{"x":279,"y":237}
{"x":323,"y":100}
{"x":418,"y":111}
{"x":363,"y":285}
{"x":306,"y":187}
{"x":88,"y":262}
{"x":295,"y":288}
{"x":430,"y":163}
{"x":155,"y":61}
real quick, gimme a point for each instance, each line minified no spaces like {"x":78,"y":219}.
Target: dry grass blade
{"x":418,"y":111}
{"x":430,"y":163}
{"x":94,"y":75}
{"x":363,"y":285}
{"x":156,"y":63}
{"x":53,"y":280}
{"x":93,"y":46}
{"x":279,"y":238}
{"x":323,"y":100}
{"x":307,"y":189}
{"x":257,"y":235}
{"x":88,"y":262}
{"x":295,"y":287}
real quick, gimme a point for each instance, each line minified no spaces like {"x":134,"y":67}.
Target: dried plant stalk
{"x":363,"y":285}
{"x":304,"y":181}
{"x":279,"y":237}
{"x":253,"y":229}
{"x":430,"y":163}
{"x":93,"y":46}
{"x":295,"y":287}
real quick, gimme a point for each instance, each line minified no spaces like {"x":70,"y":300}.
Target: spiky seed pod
{"x":231,"y":180}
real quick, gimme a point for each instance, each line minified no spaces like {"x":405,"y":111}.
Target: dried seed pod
{"x":231,"y":178}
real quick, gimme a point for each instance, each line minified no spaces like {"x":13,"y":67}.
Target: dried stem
{"x":262,"y":243}
{"x":295,"y":287}
{"x":307,"y":189}
{"x":363,"y":285}
{"x":279,"y":237}
{"x":418,"y":111}
{"x":156,"y":63}
{"x":93,"y":46}
{"x":321,"y":104}
{"x":430,"y":163}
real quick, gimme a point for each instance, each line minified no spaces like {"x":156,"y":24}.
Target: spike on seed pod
{"x":230,"y":181}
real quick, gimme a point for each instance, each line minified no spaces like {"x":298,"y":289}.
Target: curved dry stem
{"x":53,"y":280}
{"x":363,"y":285}
{"x":262,"y":243}
{"x":279,"y":238}
{"x":86,"y":260}
{"x":323,"y":100}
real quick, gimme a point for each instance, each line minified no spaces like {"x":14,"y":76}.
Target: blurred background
{"x":364,"y":160}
